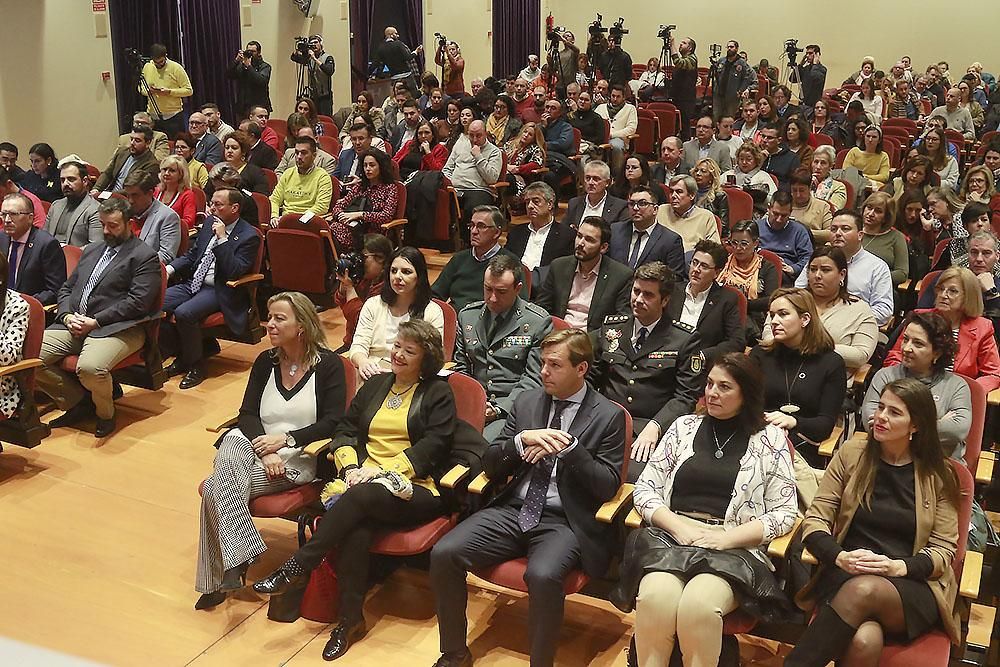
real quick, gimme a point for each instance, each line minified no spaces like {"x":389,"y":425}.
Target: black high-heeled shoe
{"x":279,"y":582}
{"x":235,"y":578}
{"x":209,"y":600}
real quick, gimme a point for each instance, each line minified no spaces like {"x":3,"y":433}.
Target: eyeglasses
{"x":196,"y":122}
{"x":478,"y":227}
{"x":639,"y":204}
{"x":9,"y":215}
{"x":739,"y":244}
{"x":950,"y":292}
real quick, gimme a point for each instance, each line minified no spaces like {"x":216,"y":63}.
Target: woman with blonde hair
{"x":710,"y":195}
{"x":525,"y":153}
{"x":977,"y":185}
{"x":174,"y":189}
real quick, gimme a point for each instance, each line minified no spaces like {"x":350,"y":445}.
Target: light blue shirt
{"x":869,"y":279}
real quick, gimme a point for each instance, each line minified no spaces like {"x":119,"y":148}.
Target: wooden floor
{"x":99,"y":540}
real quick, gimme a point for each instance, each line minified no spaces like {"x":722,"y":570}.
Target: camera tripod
{"x":147,"y":91}
{"x":785,"y":75}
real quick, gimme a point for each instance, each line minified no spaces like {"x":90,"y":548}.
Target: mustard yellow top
{"x":388,"y":437}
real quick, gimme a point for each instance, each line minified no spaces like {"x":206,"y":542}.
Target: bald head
{"x":391,"y":33}
{"x":477,"y":133}
{"x":671,"y":150}
{"x":198,"y":123}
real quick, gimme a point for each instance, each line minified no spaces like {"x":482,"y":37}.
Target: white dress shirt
{"x":595,"y":211}
{"x":693,"y":305}
{"x":532,"y":256}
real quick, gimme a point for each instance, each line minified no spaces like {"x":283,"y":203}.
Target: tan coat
{"x":937,"y":528}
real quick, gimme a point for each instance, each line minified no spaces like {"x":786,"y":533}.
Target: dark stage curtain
{"x":211,"y":39}
{"x":369,"y":19}
{"x":516,"y":34}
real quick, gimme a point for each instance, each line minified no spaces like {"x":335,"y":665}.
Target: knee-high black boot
{"x":826,"y":639}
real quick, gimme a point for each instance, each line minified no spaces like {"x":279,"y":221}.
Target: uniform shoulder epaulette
{"x":535,"y":309}
{"x":616,"y":319}
{"x":687,"y":328}
{"x":475,"y":305}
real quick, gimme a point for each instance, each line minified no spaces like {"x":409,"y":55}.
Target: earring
{"x":841,"y":283}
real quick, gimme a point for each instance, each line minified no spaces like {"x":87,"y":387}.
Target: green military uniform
{"x":503,"y":355}
{"x":660,"y":382}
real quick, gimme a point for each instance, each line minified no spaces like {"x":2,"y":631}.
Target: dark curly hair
{"x":939,"y":334}
{"x":424,"y":334}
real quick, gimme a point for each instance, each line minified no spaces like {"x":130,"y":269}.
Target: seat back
{"x":974,"y":440}
{"x":263,"y":208}
{"x":450,"y":327}
{"x":329,"y":129}
{"x":645,"y":143}
{"x":72,"y":255}
{"x":773,"y":258}
{"x":279,"y":125}
{"x":558,"y":324}
{"x":851,"y":195}
{"x":335,"y":186}
{"x":31,"y":348}
{"x":742,"y":302}
{"x":351,"y":381}
{"x":185,"y":239}
{"x":926,"y":282}
{"x":272,"y":178}
{"x":470,"y":400}
{"x":329,"y":143}
{"x":939,"y":251}
{"x":740,"y":205}
{"x":822,"y":139}
{"x":200,"y":201}
{"x":296,"y":250}
{"x":841,"y":156}
{"x":966,"y":485}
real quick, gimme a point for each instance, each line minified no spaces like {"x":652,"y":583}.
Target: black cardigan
{"x":330,"y":397}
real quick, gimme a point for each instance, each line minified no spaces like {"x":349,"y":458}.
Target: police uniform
{"x":660,"y":382}
{"x":504,"y":357}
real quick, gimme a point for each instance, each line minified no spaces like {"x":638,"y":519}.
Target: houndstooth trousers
{"x":228,"y":537}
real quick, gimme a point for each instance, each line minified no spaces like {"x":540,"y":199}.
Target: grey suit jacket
{"x":717,"y":150}
{"x":162,"y":231}
{"x":611,"y":293}
{"x":145,"y":162}
{"x":84,"y":225}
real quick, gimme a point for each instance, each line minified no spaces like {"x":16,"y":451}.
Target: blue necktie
{"x":15,"y":248}
{"x":534,"y":497}
{"x":204,"y":265}
{"x":633,"y":258}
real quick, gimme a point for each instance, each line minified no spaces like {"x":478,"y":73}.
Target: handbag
{"x":317,"y":600}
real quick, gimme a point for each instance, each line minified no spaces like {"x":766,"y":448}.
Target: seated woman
{"x":368,"y":204}
{"x":364,"y":105}
{"x":503,"y":124}
{"x":977,"y":185}
{"x":351,"y":296}
{"x":795,"y":136}
{"x":722,"y":486}
{"x":966,"y":101}
{"x":14,"y":315}
{"x":174,"y":189}
{"x":823,"y":184}
{"x":236,"y":152}
{"x":525,"y":153}
{"x":710,"y":195}
{"x":913,"y":220}
{"x":746,"y":172}
{"x":307,"y":108}
{"x":295,"y":122}
{"x":849,"y":320}
{"x":854,"y":131}
{"x":870,"y":101}
{"x":959,"y":299}
{"x":466,"y":115}
{"x":928,"y":351}
{"x":406,"y":294}
{"x":393,"y":443}
{"x":449,"y":127}
{"x":184,"y":145}
{"x":422,"y":153}
{"x":935,"y":147}
{"x":822,"y":123}
{"x":871,"y":161}
{"x":885,"y":554}
{"x":944,"y":211}
{"x":635,"y":172}
{"x":916,"y":175}
{"x":766,"y":110}
{"x":804,"y":377}
{"x":882,"y":239}
{"x":224,"y":176}
{"x":42,"y":180}
{"x":975,"y":217}
{"x":747,"y":271}
{"x":295,"y":396}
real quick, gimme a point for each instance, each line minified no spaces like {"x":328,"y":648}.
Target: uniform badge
{"x":697,"y":362}
{"x":527,"y":327}
{"x":613,"y":335}
{"x":468,"y":327}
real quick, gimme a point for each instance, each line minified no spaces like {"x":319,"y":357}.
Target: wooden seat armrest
{"x":479,"y":484}
{"x":634,"y":519}
{"x":51,"y":308}
{"x":829,"y":446}
{"x":607,"y":512}
{"x":905,"y":285}
{"x":23,"y":365}
{"x":245,"y":280}
{"x":980,"y":634}
{"x":392,"y":224}
{"x":984,"y":469}
{"x":314,"y":449}
{"x":861,"y":375}
{"x":972,"y":575}
{"x":229,"y":423}
{"x":448,"y":365}
{"x":499,"y":185}
{"x":540,"y":170}
{"x":808,"y":558}
{"x":454,"y":476}
{"x":778,"y":548}
{"x":994,"y":397}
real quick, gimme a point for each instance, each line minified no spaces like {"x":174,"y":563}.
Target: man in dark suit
{"x":36,"y":265}
{"x":563,"y":447}
{"x":406,"y":130}
{"x":587,"y":287}
{"x":648,"y":362}
{"x":73,"y":219}
{"x":224,"y":250}
{"x":641,"y":240}
{"x":136,"y":156}
{"x":350,"y":159}
{"x":208,"y":148}
{"x":707,"y":306}
{"x":596,"y":200}
{"x":543,"y":239}
{"x":116,"y":287}
{"x":261,"y":154}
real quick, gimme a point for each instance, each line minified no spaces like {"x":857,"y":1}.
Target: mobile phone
{"x":731,"y":179}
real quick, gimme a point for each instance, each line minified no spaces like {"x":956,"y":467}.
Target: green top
{"x":891,"y":248}
{"x":461,"y":279}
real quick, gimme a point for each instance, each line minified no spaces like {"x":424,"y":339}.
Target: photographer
{"x":685,"y":81}
{"x":321,"y":67}
{"x":449,"y":56}
{"x":569,"y":56}
{"x":616,"y":63}
{"x":813,"y":76}
{"x":168,"y":84}
{"x":734,"y":80}
{"x":252,"y":76}
{"x":360,"y":278}
{"x":397,"y":57}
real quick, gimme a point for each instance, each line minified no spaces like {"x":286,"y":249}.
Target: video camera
{"x":595,"y":28}
{"x":135,"y":58}
{"x":665,"y":31}
{"x":616,"y":31}
{"x":442,"y":40}
{"x":302,"y":45}
{"x":791,"y":49}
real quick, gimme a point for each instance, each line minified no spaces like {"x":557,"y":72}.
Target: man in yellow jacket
{"x":168,"y":84}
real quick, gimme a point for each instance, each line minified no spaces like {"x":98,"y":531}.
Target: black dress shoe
{"x":80,"y":412}
{"x":209,"y":600}
{"x":105,"y":427}
{"x":117,"y":391}
{"x":341,"y":639}
{"x":278,"y":582}
{"x":455,"y":659}
{"x":173,"y":369}
{"x":192,"y":378}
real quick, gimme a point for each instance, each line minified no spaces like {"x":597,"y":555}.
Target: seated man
{"x":406,"y":130}
{"x":812,"y":212}
{"x":324,"y":160}
{"x":224,"y":250}
{"x":783,"y":106}
{"x":73,"y":220}
{"x":648,"y":362}
{"x":558,"y":144}
{"x":8,"y":160}
{"x":9,"y":187}
{"x":707,"y":306}
{"x":596,"y":200}
{"x":216,"y":125}
{"x":692,"y":223}
{"x":587,"y":287}
{"x":208,"y":148}
{"x":641,"y":240}
{"x":705,"y":145}
{"x":156,"y":224}
{"x":498,"y":340}
{"x":671,"y":161}
{"x":624,"y":121}
{"x":868,"y":276}
{"x":786,"y":238}
{"x":134,"y":157}
{"x":543,"y":239}
{"x":461,"y":279}
{"x":350,"y":159}
{"x":780,"y":161}
{"x":904,"y":103}
{"x":115,"y":287}
{"x":473,"y":166}
{"x":586,"y":120}
{"x":562,"y":447}
{"x":160,"y":144}
{"x":955,"y":115}
{"x":305,"y":188}
{"x":261,"y":115}
{"x":261,"y":154}
{"x":748,"y":128}
{"x":35,"y":262}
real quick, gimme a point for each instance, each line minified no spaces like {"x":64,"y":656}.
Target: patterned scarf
{"x":743,"y":279}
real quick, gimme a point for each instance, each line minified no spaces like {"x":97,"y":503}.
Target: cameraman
{"x":685,"y":81}
{"x":168,"y":84}
{"x":449,"y":56}
{"x":734,"y":80}
{"x":813,"y":77}
{"x":569,"y":57}
{"x":320,"y":66}
{"x":252,"y":76}
{"x":616,"y":63}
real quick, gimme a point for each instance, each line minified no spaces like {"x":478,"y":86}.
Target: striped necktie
{"x":95,"y":276}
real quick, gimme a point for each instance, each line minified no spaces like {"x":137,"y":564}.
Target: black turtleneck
{"x":704,"y":483}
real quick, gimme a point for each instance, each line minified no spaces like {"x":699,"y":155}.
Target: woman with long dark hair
{"x":368,"y":204}
{"x":42,"y":179}
{"x":421,"y":153}
{"x":935,"y":147}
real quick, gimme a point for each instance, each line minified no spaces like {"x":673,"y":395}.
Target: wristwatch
{"x":289,"y":440}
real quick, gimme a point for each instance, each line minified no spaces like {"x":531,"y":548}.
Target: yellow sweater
{"x":875,"y":167}
{"x":298,"y":193}
{"x":174,"y":80}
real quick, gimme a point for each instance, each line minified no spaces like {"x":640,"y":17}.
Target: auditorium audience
{"x":306,"y":107}
{"x":473,"y":167}
{"x":813,"y":212}
{"x":748,"y":272}
{"x":367,"y":204}
{"x":14,"y":316}
{"x":503,"y":125}
{"x":977,"y":185}
{"x":596,"y":200}
{"x":915,"y":175}
{"x":640,"y":240}
{"x":207,"y":147}
{"x":779,"y":161}
{"x":422,"y":153}
{"x":9,"y":187}
{"x":746,"y":172}
{"x":543,"y":238}
{"x":154,"y":223}
{"x":261,"y":154}
{"x":36,"y":265}
{"x":307,"y":188}
{"x":795,"y":135}
{"x":525,"y":155}
{"x":324,"y":160}
{"x":786,"y":238}
{"x":175,"y":191}
{"x":136,"y":156}
{"x":935,"y":147}
{"x":710,"y":195}
{"x":236,"y":152}
{"x":681,"y":215}
{"x":882,"y":239}
{"x":871,"y":161}
{"x":351,"y":296}
{"x":184,"y":147}
{"x":73,"y":219}
{"x":160,"y":145}
{"x":634,"y":173}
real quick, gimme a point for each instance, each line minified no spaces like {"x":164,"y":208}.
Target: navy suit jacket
{"x":615,"y":210}
{"x":208,"y":150}
{"x":664,"y":245}
{"x":233,"y":259}
{"x":345,"y":161}
{"x":42,"y":267}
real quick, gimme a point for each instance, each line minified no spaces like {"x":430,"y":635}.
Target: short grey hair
{"x":690,"y":184}
{"x":24,"y":199}
{"x":827,"y":152}
{"x":599,"y":166}
{"x":984,"y":235}
{"x":543,"y":189}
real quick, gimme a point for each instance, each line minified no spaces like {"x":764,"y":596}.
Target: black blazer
{"x":233,"y":259}
{"x":559,"y":242}
{"x":264,"y":156}
{"x":42,"y":266}
{"x":252,"y":179}
{"x":611,"y":294}
{"x":127,"y":293}
{"x":587,"y":476}
{"x":664,"y":245}
{"x":615,"y":210}
{"x":719,"y":327}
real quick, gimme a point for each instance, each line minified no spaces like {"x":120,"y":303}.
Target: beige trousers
{"x":670,"y":609}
